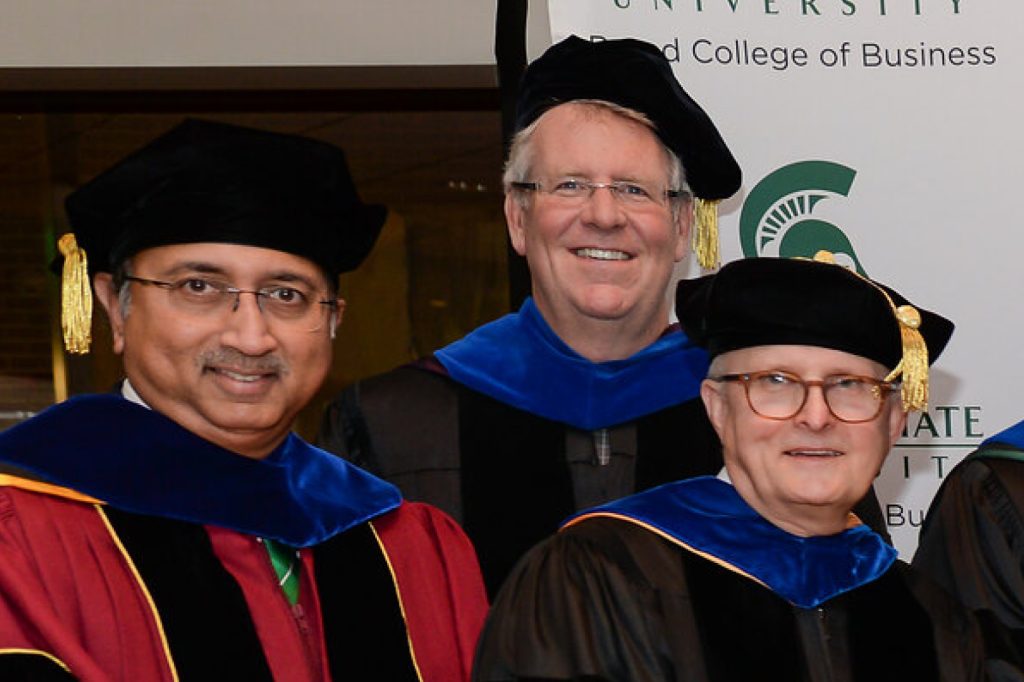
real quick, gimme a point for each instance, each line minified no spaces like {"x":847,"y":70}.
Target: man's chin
{"x":239,"y":427}
{"x":244,"y":418}
{"x":605,"y":303}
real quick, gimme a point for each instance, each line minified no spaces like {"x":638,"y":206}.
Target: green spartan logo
{"x":778,"y":216}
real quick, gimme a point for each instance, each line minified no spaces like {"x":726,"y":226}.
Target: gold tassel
{"x":705,"y":233}
{"x":76,"y":297}
{"x":914,"y":365}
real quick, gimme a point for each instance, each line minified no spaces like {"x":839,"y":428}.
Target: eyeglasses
{"x":575,"y":191}
{"x":288,"y":305}
{"x":780,"y":395}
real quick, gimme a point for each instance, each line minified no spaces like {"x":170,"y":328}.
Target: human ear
{"x":897,"y":420}
{"x":106,"y":294}
{"x":714,"y":404}
{"x":515,"y":218}
{"x":336,"y":315}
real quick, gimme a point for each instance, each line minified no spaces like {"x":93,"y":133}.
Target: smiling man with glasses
{"x":179,"y":529}
{"x":576,"y":396}
{"x":285,"y":303}
{"x":763,"y":573}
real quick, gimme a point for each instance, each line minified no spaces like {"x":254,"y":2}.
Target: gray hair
{"x":521,"y":152}
{"x":716,"y":368}
{"x":124,"y":292}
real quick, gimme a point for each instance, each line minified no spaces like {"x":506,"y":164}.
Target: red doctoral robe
{"x":95,"y":593}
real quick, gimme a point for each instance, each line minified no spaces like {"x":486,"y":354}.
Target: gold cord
{"x":76,"y":297}
{"x":913,"y":365}
{"x":705,"y":233}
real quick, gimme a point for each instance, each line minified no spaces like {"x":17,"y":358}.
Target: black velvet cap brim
{"x":214,"y":182}
{"x":775,"y":301}
{"x":633,"y":74}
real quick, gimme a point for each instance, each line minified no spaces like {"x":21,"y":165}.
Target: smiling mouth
{"x":814,"y":452}
{"x":602,"y":254}
{"x":244,"y":377}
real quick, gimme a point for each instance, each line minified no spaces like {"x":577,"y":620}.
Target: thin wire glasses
{"x":780,"y":395}
{"x":576,"y":191}
{"x":289,"y":305}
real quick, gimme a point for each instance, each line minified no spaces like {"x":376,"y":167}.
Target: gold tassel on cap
{"x":76,"y":297}
{"x":705,"y":232}
{"x":914,"y":365}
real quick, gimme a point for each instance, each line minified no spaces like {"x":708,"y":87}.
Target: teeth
{"x":602,"y":254}
{"x":248,"y":378}
{"x":815,"y":453}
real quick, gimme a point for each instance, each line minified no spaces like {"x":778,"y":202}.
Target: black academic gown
{"x":607,"y":599}
{"x":480,"y":459}
{"x":511,"y":414}
{"x":972,"y":540}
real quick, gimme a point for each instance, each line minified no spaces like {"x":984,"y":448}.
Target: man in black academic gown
{"x":763,"y":573}
{"x":972,"y":539}
{"x":585,"y":393}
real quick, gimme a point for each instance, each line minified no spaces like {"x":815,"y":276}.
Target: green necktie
{"x":284,"y":559}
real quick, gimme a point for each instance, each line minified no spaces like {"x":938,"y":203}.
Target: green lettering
{"x":946,"y":411}
{"x":970,"y":420}
{"x":925,"y":423}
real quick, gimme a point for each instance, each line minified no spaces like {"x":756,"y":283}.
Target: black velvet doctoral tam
{"x":205,"y":181}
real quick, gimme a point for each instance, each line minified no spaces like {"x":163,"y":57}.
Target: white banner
{"x":886,"y":130}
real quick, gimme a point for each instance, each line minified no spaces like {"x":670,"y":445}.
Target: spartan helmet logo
{"x":778,"y":221}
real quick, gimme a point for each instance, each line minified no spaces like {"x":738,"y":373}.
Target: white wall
{"x":930,"y":130}
{"x":538,"y":29}
{"x":99,"y":33}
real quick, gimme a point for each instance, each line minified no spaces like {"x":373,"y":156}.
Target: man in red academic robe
{"x":178,"y":530}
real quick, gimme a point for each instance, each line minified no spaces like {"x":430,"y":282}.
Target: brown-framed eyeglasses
{"x":778,"y":395}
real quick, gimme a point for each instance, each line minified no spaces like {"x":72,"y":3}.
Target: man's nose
{"x":815,"y":412}
{"x":246,"y":326}
{"x":603,"y":208}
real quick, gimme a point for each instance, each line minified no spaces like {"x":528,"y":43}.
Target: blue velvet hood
{"x":518,"y":360}
{"x":138,"y":460}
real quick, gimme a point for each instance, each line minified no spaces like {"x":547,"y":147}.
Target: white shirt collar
{"x":129,"y":393}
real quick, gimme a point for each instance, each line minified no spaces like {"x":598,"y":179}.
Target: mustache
{"x":235,"y":359}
